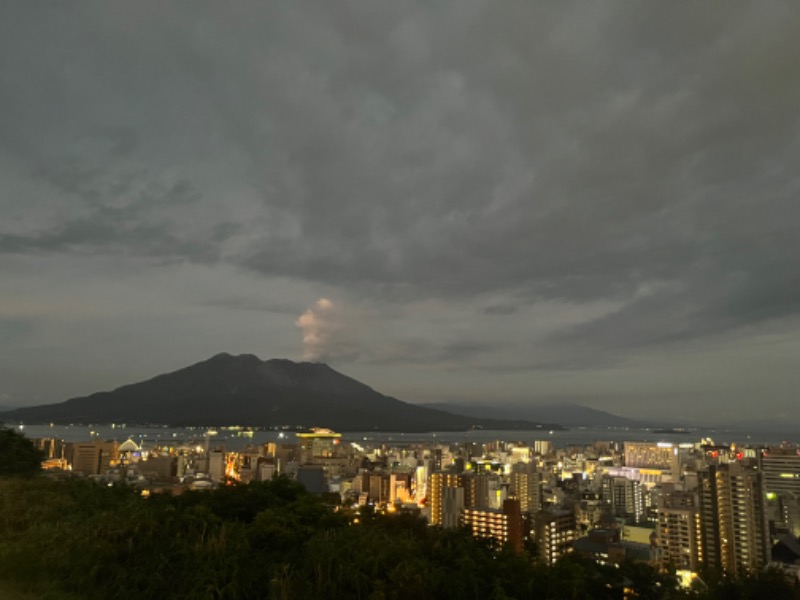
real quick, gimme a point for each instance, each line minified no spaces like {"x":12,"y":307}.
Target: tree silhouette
{"x":18,"y":456}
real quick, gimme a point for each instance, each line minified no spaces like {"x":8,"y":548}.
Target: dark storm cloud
{"x":495,"y":157}
{"x":13,"y":330}
{"x":122,"y":213}
{"x":499,"y":310}
{"x":244,"y":303}
{"x":422,"y":351}
{"x":557,"y":168}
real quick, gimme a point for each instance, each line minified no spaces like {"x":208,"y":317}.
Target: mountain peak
{"x":244,"y":390}
{"x":226,"y":356}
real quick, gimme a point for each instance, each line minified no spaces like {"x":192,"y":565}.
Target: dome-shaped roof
{"x":128,"y":446}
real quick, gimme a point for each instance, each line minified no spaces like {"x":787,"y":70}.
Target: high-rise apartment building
{"x":624,"y":496}
{"x":735,"y":536}
{"x":436,"y":486}
{"x":679,"y":538}
{"x":542,"y":447}
{"x":504,"y":525}
{"x":526,"y":486}
{"x":554,"y":532}
{"x":452,"y":507}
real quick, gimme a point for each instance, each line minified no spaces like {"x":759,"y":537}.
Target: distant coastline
{"x":676,"y":431}
{"x":236,"y":439}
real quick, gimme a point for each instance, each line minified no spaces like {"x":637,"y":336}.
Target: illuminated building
{"x":781,"y":468}
{"x":92,"y":458}
{"x":679,"y":538}
{"x":438,"y":482}
{"x":735,"y":536}
{"x":781,"y":471}
{"x":421,"y":482}
{"x":526,"y":486}
{"x":554,"y":532}
{"x":318,"y":443}
{"x":399,"y":487}
{"x":521,"y":454}
{"x":50,"y":447}
{"x":646,"y":476}
{"x":436,"y":460}
{"x":378,"y":488}
{"x":662,"y":455}
{"x":505,"y":525}
{"x":129,"y":452}
{"x":624,"y":496}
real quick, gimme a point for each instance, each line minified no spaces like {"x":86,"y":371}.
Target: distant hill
{"x":569,"y":415}
{"x":244,"y":390}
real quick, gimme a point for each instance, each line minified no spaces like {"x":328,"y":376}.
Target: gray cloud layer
{"x":523,"y":187}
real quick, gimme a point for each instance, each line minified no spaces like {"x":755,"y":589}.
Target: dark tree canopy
{"x":18,"y":456}
{"x":75,"y":539}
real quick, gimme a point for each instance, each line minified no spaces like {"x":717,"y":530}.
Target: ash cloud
{"x":326,"y":337}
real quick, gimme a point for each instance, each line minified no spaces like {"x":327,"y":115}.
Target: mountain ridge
{"x":567,"y":414}
{"x":244,"y":390}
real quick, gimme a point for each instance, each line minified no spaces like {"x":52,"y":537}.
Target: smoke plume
{"x":324,"y":335}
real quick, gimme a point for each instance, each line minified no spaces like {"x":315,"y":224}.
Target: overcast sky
{"x":471,"y":201}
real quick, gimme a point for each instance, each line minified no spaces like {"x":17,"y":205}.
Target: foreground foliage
{"x":75,"y":539}
{"x":18,"y":456}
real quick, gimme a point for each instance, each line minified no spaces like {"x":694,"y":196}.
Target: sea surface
{"x":238,"y":439}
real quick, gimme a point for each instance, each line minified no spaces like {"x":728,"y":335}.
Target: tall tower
{"x":735,"y":535}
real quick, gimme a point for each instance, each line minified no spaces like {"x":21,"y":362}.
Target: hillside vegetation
{"x":76,"y":539}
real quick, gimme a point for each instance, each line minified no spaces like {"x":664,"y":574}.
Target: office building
{"x":92,"y":458}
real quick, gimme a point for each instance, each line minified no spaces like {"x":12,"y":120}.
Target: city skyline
{"x":460,"y":203}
